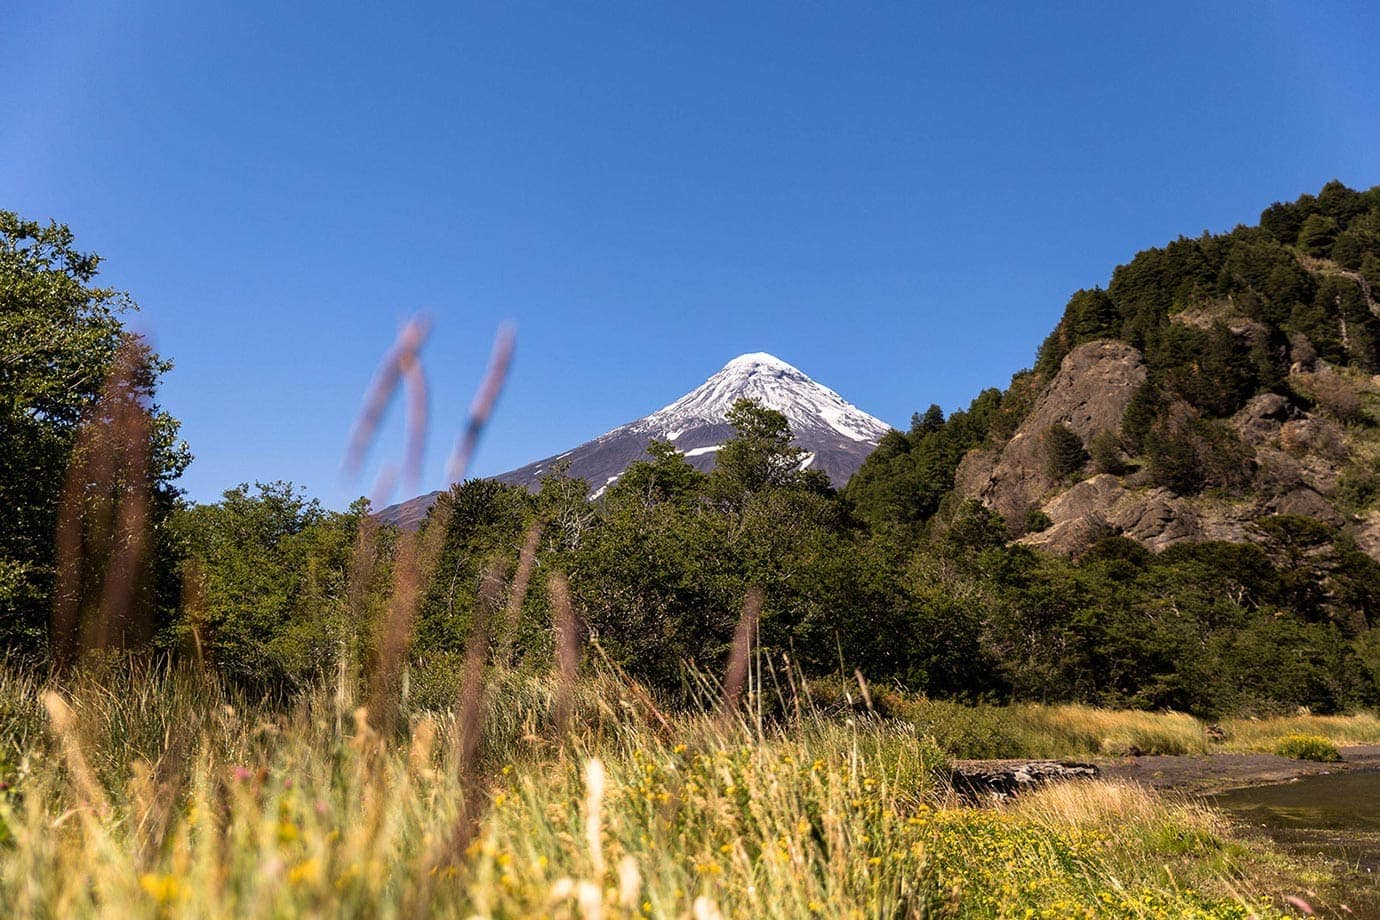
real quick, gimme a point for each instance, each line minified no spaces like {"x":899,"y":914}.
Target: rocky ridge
{"x":1297,"y":460}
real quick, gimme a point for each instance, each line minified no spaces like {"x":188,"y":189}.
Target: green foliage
{"x":975,"y":527}
{"x":1308,"y":747}
{"x":899,"y":576}
{"x":903,"y":481}
{"x":759,"y":457}
{"x":59,"y":335}
{"x":1354,"y":244}
{"x":1187,"y":455}
{"x":1064,"y":453}
{"x":268,"y":571}
{"x":1088,"y":316}
{"x":1358,"y":487}
{"x":1370,"y":271}
{"x":487,"y":520}
{"x":1036,"y":520}
{"x":1105,"y":450}
{"x":1283,"y":221}
{"x":1317,"y":235}
{"x":1093,"y":315}
{"x":667,"y":477}
{"x":1142,"y":412}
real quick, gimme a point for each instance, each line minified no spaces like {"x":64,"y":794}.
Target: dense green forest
{"x":898,"y":575}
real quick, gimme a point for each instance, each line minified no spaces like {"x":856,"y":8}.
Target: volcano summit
{"x":836,"y":435}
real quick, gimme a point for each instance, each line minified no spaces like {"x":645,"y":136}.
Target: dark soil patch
{"x":1206,"y":773}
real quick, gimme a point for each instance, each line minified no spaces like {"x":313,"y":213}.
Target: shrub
{"x":1336,"y":395}
{"x":1308,"y":747}
{"x":1358,"y":486}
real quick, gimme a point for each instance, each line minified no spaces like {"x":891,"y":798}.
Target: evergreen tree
{"x":1317,"y":235}
{"x":667,"y":477}
{"x":1064,"y":453}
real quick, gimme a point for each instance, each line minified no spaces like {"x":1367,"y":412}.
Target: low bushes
{"x":1308,"y":747}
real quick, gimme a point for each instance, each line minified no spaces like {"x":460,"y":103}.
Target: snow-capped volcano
{"x":836,"y":435}
{"x":808,"y":406}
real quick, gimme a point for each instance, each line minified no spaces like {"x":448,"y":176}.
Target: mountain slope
{"x":836,"y":435}
{"x":1220,"y":388}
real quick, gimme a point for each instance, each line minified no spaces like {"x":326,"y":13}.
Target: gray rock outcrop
{"x":1001,"y":779}
{"x":1089,"y":394}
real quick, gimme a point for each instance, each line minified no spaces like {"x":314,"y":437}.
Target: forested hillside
{"x":1236,"y":366}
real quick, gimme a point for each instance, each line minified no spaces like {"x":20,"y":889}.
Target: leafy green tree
{"x":974,"y":527}
{"x":659,"y":587}
{"x":59,"y":337}
{"x":1370,"y":270}
{"x":1353,"y":245}
{"x":1187,"y":455}
{"x":563,"y":506}
{"x":1092,"y":315}
{"x":1105,"y":450}
{"x":903,"y":481}
{"x":1283,"y":221}
{"x":268,"y":571}
{"x":930,"y":423}
{"x":486,"y":520}
{"x":666,"y":477}
{"x":760,"y":455}
{"x":1340,"y":203}
{"x":1211,"y":369}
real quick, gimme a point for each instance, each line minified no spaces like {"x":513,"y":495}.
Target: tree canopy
{"x":60,"y":335}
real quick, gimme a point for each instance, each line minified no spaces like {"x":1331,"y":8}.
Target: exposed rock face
{"x":1001,"y":779}
{"x":1298,"y":454}
{"x":1368,"y":534}
{"x":1299,"y":458}
{"x":1306,"y":503}
{"x":1260,"y":420}
{"x":1090,"y":393}
{"x":1093,"y":507}
{"x":975,"y":471}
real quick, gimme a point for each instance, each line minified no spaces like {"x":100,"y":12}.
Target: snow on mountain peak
{"x":759,"y":360}
{"x":835,"y":435}
{"x":807,"y":405}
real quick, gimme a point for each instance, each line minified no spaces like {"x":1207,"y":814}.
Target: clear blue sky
{"x":897,"y":199}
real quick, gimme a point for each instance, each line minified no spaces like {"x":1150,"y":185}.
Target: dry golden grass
{"x":1264,"y":734}
{"x":1069,"y":730}
{"x":166,"y":797}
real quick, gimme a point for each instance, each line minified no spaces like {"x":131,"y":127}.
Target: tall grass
{"x":1070,"y":730}
{"x":1264,"y":734}
{"x":159,"y":794}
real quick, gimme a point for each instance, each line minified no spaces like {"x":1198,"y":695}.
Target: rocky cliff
{"x":1298,"y":460}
